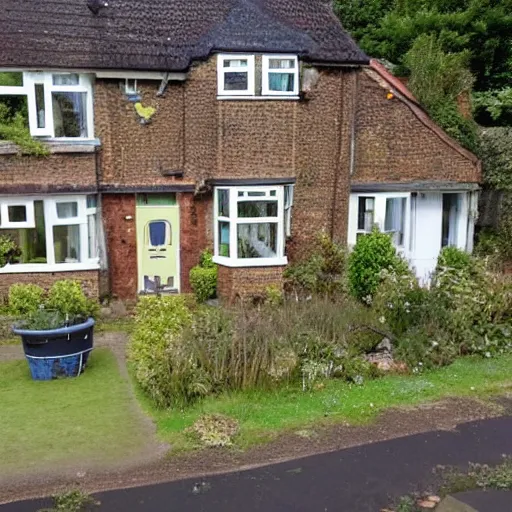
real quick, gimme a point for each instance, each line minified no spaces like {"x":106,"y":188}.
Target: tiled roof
{"x":166,"y":35}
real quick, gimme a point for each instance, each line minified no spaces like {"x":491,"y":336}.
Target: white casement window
{"x":236,"y":75}
{"x":390,"y":212}
{"x":251,"y":224}
{"x":60,"y":105}
{"x":280,"y":75}
{"x":50,"y":233}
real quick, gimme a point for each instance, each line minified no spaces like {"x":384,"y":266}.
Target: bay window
{"x":251,"y":225}
{"x":51,"y":233}
{"x":60,"y":105}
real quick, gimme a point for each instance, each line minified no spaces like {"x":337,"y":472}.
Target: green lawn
{"x":262,"y":415}
{"x":90,"y":419}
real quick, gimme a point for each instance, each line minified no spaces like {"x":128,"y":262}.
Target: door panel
{"x":158,"y":248}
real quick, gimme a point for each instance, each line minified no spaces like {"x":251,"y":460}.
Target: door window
{"x":159,"y":233}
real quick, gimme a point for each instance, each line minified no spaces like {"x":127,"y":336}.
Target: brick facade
{"x":88,"y":278}
{"x":394,"y":145}
{"x":244,"y":283}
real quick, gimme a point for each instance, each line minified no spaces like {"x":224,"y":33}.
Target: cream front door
{"x":158,"y":243}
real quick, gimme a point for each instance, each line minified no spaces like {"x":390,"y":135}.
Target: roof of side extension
{"x":166,"y":35}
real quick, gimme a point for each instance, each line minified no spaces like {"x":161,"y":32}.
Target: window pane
{"x":224,"y":239}
{"x":451,"y":206}
{"x":223,"y":198}
{"x":31,"y":242}
{"x":17,"y":213}
{"x":281,"y":64}
{"x":40,"y":108}
{"x":67,"y":210}
{"x":281,"y":82}
{"x":236,"y":81}
{"x":92,"y":201}
{"x":257,"y":209}
{"x":66,"y":244}
{"x":156,"y":199}
{"x":13,"y":109}
{"x":235,"y":63}
{"x":70,"y":114}
{"x":66,"y":79}
{"x":9,"y":79}
{"x":365,"y":220}
{"x":394,"y":222}
{"x":92,"y":236}
{"x":257,"y":240}
{"x":256,"y":194}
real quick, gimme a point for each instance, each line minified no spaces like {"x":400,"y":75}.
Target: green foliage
{"x":453,"y":257}
{"x":158,"y":323}
{"x":72,"y":501}
{"x":43,"y":320}
{"x":25,"y":299}
{"x":407,"y":504}
{"x":67,"y":297}
{"x":496,"y":155}
{"x":203,"y":278}
{"x":373,"y":253}
{"x":323,"y":273}
{"x":9,"y":250}
{"x":437,"y":78}
{"x":274,"y":295}
{"x":493,"y":104}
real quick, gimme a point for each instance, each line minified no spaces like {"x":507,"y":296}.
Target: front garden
{"x":352,"y":336}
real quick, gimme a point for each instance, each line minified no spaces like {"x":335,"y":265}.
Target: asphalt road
{"x":360,"y":479}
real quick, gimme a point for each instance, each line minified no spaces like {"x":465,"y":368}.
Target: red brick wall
{"x":88,"y":278}
{"x":121,"y":240}
{"x":394,"y":145}
{"x":30,"y":174}
{"x":243,"y":283}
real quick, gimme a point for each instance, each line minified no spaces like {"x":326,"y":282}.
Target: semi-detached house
{"x":247,"y":126}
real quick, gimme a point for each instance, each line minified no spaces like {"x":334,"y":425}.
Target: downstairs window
{"x":251,"y":225}
{"x":49,"y":234}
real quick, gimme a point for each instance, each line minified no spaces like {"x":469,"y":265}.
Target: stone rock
{"x":433,"y":498}
{"x":426,"y":504}
{"x":384,"y":346}
{"x":383,"y":361}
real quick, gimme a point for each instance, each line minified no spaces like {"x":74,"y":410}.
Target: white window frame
{"x":4,"y":214}
{"x":380,"y":200}
{"x":234,"y":221}
{"x":266,"y":78}
{"x":51,"y":219}
{"x":250,"y":70}
{"x":30,"y":79}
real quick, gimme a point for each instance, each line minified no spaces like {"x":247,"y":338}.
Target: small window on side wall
{"x":236,"y":75}
{"x":280,"y":75}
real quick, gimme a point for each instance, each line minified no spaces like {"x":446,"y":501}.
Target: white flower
{"x":382,"y":320}
{"x":420,"y":364}
{"x":435,"y":344}
{"x":487,"y":354}
{"x":472,"y":388}
{"x":406,"y":304}
{"x":371,"y":405}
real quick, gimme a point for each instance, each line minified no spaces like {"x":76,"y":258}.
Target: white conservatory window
{"x":280,"y":75}
{"x":53,"y":233}
{"x":251,"y":224}
{"x":236,"y":75}
{"x":387,"y":211}
{"x":60,"y":105}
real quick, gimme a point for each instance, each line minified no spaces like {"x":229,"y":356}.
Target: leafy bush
{"x":25,"y":299}
{"x":158,"y":322}
{"x":373,"y":253}
{"x":203,"y":278}
{"x":323,"y":273}
{"x":68,"y":297}
{"x":9,"y":250}
{"x":452,"y":257}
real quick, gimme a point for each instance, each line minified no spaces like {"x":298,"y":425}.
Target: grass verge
{"x":265,"y":414}
{"x":45,"y":425}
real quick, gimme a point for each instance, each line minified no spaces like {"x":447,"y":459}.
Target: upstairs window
{"x":236,"y":75}
{"x":258,"y":76}
{"x":59,"y":105}
{"x":280,"y":75}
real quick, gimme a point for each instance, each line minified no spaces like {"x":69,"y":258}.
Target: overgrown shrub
{"x":158,"y":323}
{"x":324,"y":272}
{"x":203,"y":278}
{"x":452,"y":257}
{"x":215,"y":430}
{"x":372,"y":253}
{"x":68,"y":298}
{"x":25,"y":299}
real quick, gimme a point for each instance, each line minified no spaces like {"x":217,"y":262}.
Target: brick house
{"x":247,"y":126}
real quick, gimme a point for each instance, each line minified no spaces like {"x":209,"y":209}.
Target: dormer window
{"x":59,"y":104}
{"x":258,"y":76}
{"x":236,"y":75}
